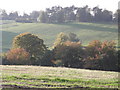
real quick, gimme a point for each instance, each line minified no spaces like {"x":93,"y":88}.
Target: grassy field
{"x":57,"y":77}
{"x":48,"y":32}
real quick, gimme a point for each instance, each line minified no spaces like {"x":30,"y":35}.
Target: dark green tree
{"x":70,"y":54}
{"x":83,"y":14}
{"x":32,"y":44}
{"x":60,"y":16}
{"x":107,"y":16}
{"x":69,"y":14}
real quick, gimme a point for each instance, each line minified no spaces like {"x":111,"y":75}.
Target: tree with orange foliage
{"x":101,"y":55}
{"x":18,"y":56}
{"x":32,"y":44}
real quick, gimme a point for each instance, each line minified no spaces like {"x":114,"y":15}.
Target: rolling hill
{"x":48,"y":32}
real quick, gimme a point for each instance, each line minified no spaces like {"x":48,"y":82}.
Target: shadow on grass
{"x":14,"y":87}
{"x":90,"y":27}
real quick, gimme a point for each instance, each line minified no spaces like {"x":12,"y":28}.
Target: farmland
{"x":86,"y":32}
{"x":57,"y":77}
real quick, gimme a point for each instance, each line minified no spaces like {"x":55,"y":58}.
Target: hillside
{"x":85,"y":31}
{"x":57,"y":77}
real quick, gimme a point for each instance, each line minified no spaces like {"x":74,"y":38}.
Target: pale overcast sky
{"x":30,"y":5}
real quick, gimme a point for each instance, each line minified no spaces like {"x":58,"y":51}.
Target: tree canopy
{"x":62,"y":37}
{"x":58,"y":14}
{"x":31,"y":43}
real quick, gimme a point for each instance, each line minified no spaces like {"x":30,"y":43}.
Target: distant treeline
{"x":67,"y":51}
{"x":58,"y":14}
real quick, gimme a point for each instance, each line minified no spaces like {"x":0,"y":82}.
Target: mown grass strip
{"x":61,"y":80}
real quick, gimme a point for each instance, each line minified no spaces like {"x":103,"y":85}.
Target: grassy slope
{"x":57,"y":77}
{"x":85,"y":31}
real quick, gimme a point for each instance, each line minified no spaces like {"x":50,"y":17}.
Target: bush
{"x":70,"y":53}
{"x":101,"y":55}
{"x":62,"y":37}
{"x":18,"y":56}
{"x":118,"y":56}
{"x":46,"y":61}
{"x":4,"y":60}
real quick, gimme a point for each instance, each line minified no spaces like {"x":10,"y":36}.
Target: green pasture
{"x":58,"y":77}
{"x":48,"y":32}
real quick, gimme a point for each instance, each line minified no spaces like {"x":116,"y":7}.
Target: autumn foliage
{"x":18,"y":56}
{"x":70,"y":53}
{"x":101,"y":55}
{"x":97,"y":49}
{"x":32,"y":44}
{"x":67,"y":51}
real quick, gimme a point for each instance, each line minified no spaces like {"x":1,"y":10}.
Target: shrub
{"x":46,"y":60}
{"x":118,"y":56}
{"x":101,"y":55}
{"x":70,"y":53}
{"x":18,"y":56}
{"x":4,"y":60}
{"x":62,"y":37}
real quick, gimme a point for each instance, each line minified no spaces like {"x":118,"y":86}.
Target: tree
{"x":102,"y":15}
{"x":83,"y":14}
{"x":61,"y":38}
{"x":55,"y":14}
{"x":25,"y":16}
{"x":3,"y":57}
{"x":117,"y":17}
{"x":69,"y":13}
{"x":3,"y":15}
{"x":43,"y":17}
{"x":60,"y":16}
{"x":73,"y":37}
{"x":35,"y":14}
{"x":13,"y":15}
{"x":18,"y":56}
{"x":107,"y":16}
{"x":101,"y":55}
{"x":46,"y":60}
{"x":97,"y":14}
{"x":31,"y":44}
{"x":72,"y":16}
{"x":70,"y":54}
